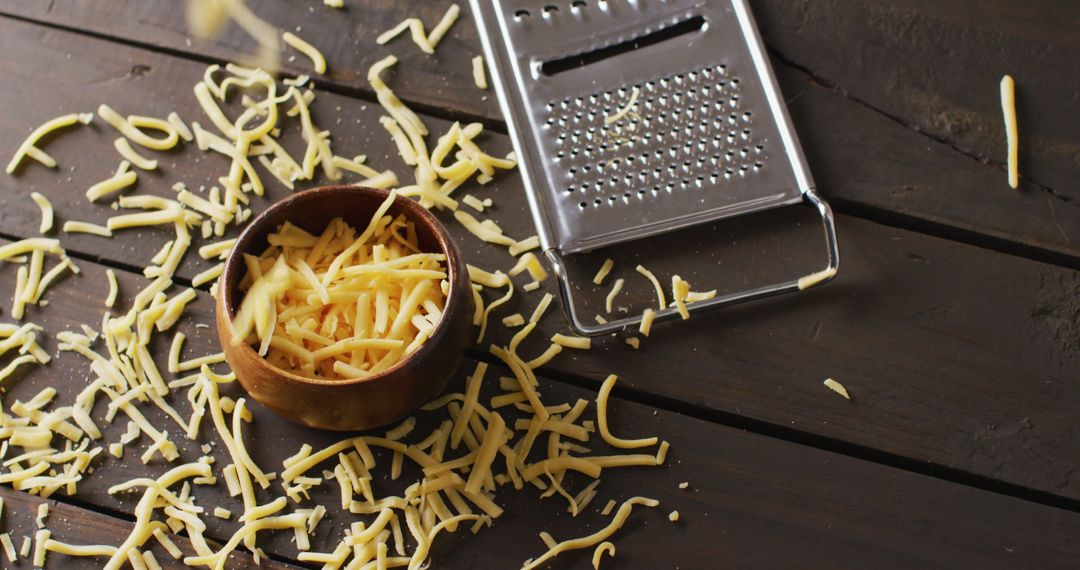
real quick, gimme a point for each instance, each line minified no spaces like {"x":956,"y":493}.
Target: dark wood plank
{"x":346,"y":37}
{"x":76,"y":525}
{"x":936,"y":66}
{"x":752,"y":500}
{"x":906,"y":325}
{"x":866,"y":140}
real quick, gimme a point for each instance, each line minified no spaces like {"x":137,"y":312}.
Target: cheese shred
{"x":29,"y":149}
{"x":307,"y":49}
{"x":46,"y":211}
{"x":1008,"y":108}
{"x":478,"y":72}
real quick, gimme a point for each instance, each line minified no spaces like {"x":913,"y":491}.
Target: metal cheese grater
{"x":707,"y":138}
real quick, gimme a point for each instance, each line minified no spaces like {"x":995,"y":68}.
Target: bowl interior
{"x":312,"y":210}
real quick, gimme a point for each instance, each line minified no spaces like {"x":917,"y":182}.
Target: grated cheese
{"x":416,"y":27}
{"x":74,"y":226}
{"x":584,"y":542}
{"x":622,"y":112}
{"x":837,"y":387}
{"x":364,"y":279}
{"x":28,"y":147}
{"x":808,"y":281}
{"x":602,"y":420}
{"x":514,"y":320}
{"x":131,"y":127}
{"x":129,"y":155}
{"x":1008,"y":107}
{"x":126,"y":376}
{"x":647,"y":318}
{"x":603,"y":548}
{"x":478,"y":72}
{"x":114,"y":288}
{"x":307,"y":49}
{"x":529,"y":262}
{"x":42,"y":514}
{"x":679,"y":291}
{"x":656,"y":285}
{"x":578,"y":342}
{"x":601,"y":273}
{"x":117,"y":182}
{"x":673,"y":516}
{"x":9,"y":548}
{"x":529,"y":243}
{"x":615,"y":289}
{"x":444,"y":25}
{"x":46,"y":211}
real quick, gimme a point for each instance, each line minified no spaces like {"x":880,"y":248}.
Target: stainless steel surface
{"x":708,"y":137}
{"x":583,"y":326}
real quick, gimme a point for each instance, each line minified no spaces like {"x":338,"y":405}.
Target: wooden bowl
{"x":351,"y":404}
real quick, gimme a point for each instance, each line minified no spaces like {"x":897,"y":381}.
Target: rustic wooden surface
{"x":895,"y":100}
{"x":747,"y":492}
{"x":961,"y":355}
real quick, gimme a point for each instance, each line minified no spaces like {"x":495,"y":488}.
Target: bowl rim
{"x":412,"y":210}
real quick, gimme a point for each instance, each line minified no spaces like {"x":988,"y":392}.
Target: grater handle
{"x":668,"y":313}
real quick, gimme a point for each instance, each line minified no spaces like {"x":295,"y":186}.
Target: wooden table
{"x":954,"y":322}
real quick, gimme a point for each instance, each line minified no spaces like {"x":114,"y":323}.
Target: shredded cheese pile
{"x":342,"y":304}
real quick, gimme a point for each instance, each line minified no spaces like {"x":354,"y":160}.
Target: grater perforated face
{"x":708,"y":136}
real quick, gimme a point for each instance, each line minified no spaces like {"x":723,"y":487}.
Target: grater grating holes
{"x":677,"y":114}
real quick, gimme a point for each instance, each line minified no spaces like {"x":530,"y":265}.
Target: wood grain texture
{"x":942,"y":379}
{"x":936,"y":66}
{"x":76,"y":525}
{"x":896,"y":101}
{"x":346,"y":37}
{"x":752,"y":501}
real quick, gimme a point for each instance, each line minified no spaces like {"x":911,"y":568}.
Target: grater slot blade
{"x":666,"y":33}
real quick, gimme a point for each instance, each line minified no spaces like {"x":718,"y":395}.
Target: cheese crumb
{"x":837,"y":387}
{"x":478,"y":72}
